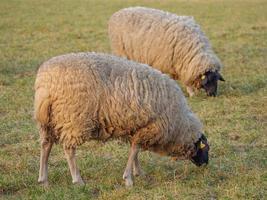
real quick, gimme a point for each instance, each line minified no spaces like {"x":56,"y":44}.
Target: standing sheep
{"x":173,"y":44}
{"x":91,"y":96}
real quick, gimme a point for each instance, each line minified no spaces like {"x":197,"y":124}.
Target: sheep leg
{"x":190,"y":91}
{"x":127,"y":175}
{"x":46,"y":147}
{"x":137,"y":171}
{"x":75,"y":173}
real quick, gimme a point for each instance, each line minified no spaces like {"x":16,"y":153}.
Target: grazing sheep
{"x":86,"y":96}
{"x":170,"y":43}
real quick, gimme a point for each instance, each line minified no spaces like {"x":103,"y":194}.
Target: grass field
{"x":235,"y":122}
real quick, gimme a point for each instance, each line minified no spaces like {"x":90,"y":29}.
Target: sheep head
{"x":209,"y":82}
{"x":202,"y":151}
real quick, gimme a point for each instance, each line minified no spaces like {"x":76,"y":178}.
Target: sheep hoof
{"x":191,"y":95}
{"x":128,"y":182}
{"x":138,"y":172}
{"x":78,"y":182}
{"x":43,"y":183}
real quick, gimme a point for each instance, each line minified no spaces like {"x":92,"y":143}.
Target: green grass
{"x":235,"y":122}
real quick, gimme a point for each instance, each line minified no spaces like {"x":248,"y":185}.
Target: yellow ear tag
{"x":203,"y":77}
{"x":202,"y":145}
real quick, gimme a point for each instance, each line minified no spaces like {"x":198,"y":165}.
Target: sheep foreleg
{"x":137,"y":171}
{"x":190,"y":91}
{"x":127,"y":175}
{"x":75,"y":173}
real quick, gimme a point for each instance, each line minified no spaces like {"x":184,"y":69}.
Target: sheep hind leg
{"x":46,"y":146}
{"x":127,"y":175}
{"x":75,"y":173}
{"x":137,"y":170}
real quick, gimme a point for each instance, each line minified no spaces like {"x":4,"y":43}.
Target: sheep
{"x":170,"y":43}
{"x":93,"y":96}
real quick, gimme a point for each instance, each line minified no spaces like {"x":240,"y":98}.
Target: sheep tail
{"x":42,"y":106}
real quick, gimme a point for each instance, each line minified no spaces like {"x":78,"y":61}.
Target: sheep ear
{"x":220,"y":77}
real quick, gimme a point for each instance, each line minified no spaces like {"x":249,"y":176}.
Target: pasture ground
{"x":235,"y":122}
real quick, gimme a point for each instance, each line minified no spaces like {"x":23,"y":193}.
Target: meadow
{"x":235,"y":121}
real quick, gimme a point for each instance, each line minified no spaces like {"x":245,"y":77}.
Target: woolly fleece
{"x":170,"y":43}
{"x":84,"y":96}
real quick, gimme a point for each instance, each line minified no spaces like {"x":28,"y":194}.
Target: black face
{"x":202,"y":155}
{"x":209,"y":82}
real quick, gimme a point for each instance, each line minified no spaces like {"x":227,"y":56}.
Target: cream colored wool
{"x":170,"y":43}
{"x":84,"y":96}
